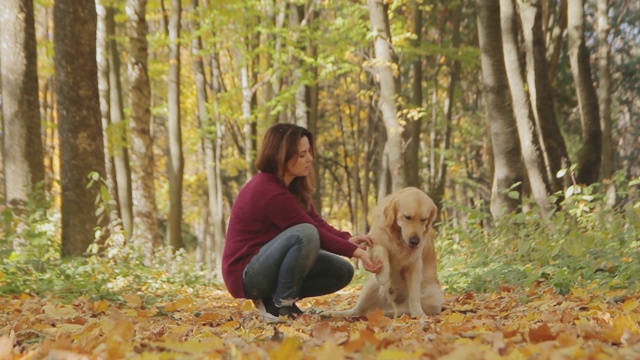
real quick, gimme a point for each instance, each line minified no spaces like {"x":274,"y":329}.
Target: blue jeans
{"x":292,"y":267}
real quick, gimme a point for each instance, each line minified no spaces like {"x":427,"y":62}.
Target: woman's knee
{"x":309,"y":234}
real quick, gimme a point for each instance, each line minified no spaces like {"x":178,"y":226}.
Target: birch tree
{"x":23,"y":152}
{"x":386,"y":69}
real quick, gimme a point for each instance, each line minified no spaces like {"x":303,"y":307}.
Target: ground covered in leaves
{"x":534,"y":323}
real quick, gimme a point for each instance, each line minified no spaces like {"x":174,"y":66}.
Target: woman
{"x":278,"y":248}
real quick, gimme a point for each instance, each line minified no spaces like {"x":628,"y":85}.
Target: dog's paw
{"x":344,"y":313}
{"x":432,"y":309}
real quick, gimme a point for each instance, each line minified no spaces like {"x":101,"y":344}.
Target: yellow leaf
{"x":181,"y":304}
{"x":101,"y":306}
{"x":455,"y":318}
{"x":630,"y":305}
{"x":287,"y":350}
{"x":133,"y":300}
{"x":394,"y":354}
{"x":196,"y":346}
{"x":330,"y":351}
{"x":62,"y":312}
{"x":247,"y":306}
{"x":578,"y":292}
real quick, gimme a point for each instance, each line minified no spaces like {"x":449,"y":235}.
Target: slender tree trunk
{"x":386,"y":65}
{"x":527,"y":132}
{"x":414,"y":123}
{"x":604,"y":100}
{"x":176,"y":159}
{"x":210,"y":131}
{"x":118,"y":134}
{"x":590,"y":153}
{"x":437,"y":193}
{"x":80,"y":127}
{"x":146,"y":232}
{"x":554,"y":36}
{"x":23,"y":152}
{"x":502,"y":125}
{"x":550,"y":140}
{"x":102,"y":57}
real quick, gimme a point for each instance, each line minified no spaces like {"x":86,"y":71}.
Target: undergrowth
{"x":581,"y":244}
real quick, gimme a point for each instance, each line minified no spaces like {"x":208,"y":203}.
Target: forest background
{"x":128,"y":128}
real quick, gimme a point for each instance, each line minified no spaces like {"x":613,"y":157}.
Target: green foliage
{"x":30,"y":250}
{"x":583,"y":244}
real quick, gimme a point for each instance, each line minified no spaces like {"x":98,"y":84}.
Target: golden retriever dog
{"x":403,"y":238}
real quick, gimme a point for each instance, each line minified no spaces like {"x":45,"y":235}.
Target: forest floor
{"x":534,"y":323}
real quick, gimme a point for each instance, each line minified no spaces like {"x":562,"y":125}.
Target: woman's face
{"x":301,"y":164}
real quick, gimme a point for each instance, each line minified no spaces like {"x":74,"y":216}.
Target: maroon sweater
{"x":263,"y":209}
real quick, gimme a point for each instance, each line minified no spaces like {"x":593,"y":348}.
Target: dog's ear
{"x":432,"y":210}
{"x":390,"y":212}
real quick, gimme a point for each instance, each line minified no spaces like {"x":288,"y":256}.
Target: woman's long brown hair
{"x":279,"y":146}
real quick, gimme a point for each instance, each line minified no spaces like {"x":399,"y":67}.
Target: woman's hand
{"x":362,"y":241}
{"x":367,"y":262}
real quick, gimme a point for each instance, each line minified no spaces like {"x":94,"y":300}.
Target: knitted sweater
{"x":263,"y":209}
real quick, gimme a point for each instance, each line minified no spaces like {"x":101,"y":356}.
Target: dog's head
{"x":411,"y":213}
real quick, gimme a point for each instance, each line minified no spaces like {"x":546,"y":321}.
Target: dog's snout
{"x":414,"y":241}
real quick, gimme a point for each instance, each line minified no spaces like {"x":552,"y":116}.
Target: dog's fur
{"x":403,"y":238}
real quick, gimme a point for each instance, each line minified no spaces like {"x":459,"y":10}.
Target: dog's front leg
{"x":380,"y":253}
{"x":366,"y":302}
{"x":414,"y":279}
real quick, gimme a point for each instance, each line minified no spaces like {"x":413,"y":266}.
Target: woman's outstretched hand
{"x":367,"y":262}
{"x":362,"y":241}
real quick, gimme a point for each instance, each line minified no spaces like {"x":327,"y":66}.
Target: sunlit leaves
{"x":582,"y":324}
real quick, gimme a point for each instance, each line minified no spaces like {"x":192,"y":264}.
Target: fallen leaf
{"x":541,"y":333}
{"x":133,"y":300}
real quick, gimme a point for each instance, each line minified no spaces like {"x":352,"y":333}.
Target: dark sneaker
{"x":270,"y":307}
{"x":291,"y":312}
{"x":267,"y":310}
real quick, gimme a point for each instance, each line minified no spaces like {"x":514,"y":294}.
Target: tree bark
{"x":146,"y":232}
{"x":437,"y":193}
{"x":80,"y":127}
{"x":527,"y":132}
{"x":176,"y":158}
{"x":386,"y":66}
{"x":414,"y":123}
{"x":589,"y":155}
{"x":118,"y":132}
{"x":502,"y":126}
{"x":102,"y":57}
{"x":604,"y":99}
{"x":210,"y":133}
{"x":550,"y":140}
{"x":23,"y":151}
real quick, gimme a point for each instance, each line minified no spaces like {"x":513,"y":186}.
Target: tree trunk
{"x":146,"y":232}
{"x":502,"y":125}
{"x":176,"y":159}
{"x":80,"y":127}
{"x":23,"y":152}
{"x":212,"y":161}
{"x":554,"y":36}
{"x":437,"y":193}
{"x":604,"y":100}
{"x":102,"y":57}
{"x":386,"y":66}
{"x":550,"y":140}
{"x":527,"y":132}
{"x":414,"y":123}
{"x":118,"y":132}
{"x":590,"y":152}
